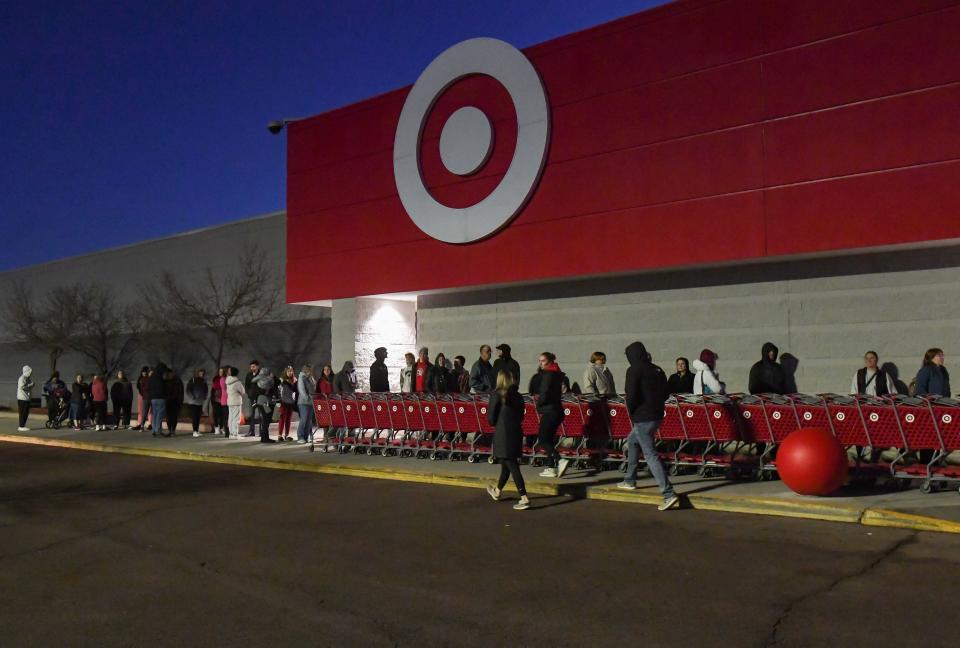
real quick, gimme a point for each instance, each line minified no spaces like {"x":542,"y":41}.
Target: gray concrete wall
{"x":292,"y":335}
{"x":361,"y":325}
{"x":825,"y":312}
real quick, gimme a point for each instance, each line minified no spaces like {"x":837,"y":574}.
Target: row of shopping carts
{"x":900,"y":438}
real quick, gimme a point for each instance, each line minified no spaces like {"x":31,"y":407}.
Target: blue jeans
{"x":305,"y":426}
{"x":159,"y":407}
{"x":641,"y":440}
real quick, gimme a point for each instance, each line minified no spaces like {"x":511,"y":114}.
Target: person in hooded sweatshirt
{"x":505,"y":362}
{"x":121,"y":394}
{"x":550,"y":408}
{"x":597,"y":379}
{"x":682,"y":381}
{"x":379,"y":374}
{"x":24,"y":394}
{"x":646,"y":392}
{"x":306,"y":388}
{"x":54,"y":389}
{"x":158,"y":404}
{"x":259,"y":384}
{"x":766,"y":375}
{"x":235,"y":394}
{"x":707,"y":379}
{"x":346,"y":379}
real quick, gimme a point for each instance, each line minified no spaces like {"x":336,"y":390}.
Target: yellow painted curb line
{"x":275,"y":464}
{"x":896,"y":519}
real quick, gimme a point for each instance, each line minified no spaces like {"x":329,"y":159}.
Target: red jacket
{"x":98,"y":390}
{"x":325,"y":386}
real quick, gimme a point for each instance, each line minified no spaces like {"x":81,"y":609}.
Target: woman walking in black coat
{"x":505,"y":412}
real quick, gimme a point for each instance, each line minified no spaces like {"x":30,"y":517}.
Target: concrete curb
{"x":810,"y":510}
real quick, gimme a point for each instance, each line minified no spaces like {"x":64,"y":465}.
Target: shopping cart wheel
{"x":491,"y":460}
{"x":622,"y":468}
{"x":674,"y":470}
{"x":472,"y":459}
{"x":433,"y":456}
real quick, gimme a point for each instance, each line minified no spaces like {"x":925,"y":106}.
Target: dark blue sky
{"x":127,"y":121}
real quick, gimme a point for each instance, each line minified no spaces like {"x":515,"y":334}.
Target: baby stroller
{"x":58,"y":410}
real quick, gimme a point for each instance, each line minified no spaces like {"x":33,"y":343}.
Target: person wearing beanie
{"x":505,"y":362}
{"x":24,"y":394}
{"x":707,"y":380}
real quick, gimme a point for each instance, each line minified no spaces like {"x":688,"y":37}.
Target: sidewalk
{"x":904,"y":509}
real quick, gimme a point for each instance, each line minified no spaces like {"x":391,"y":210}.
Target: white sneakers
{"x":23,"y":429}
{"x":522,"y":505}
{"x":671,"y":502}
{"x":494,"y":493}
{"x":626,"y":486}
{"x":196,"y":435}
{"x":549,"y":472}
{"x":562,"y":467}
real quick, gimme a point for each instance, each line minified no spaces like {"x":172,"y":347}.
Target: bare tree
{"x":105,"y":332}
{"x":46,"y":323}
{"x":291,"y":343}
{"x":217,"y":312}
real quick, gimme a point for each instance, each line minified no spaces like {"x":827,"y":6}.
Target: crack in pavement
{"x":832,"y":585}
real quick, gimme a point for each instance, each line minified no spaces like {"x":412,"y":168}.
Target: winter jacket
{"x":508,"y":364}
{"x":706,"y":380}
{"x":325,"y":386}
{"x":406,"y":379}
{"x":173,"y":391}
{"x":767,"y":376}
{"x":288,"y":392}
{"x":306,"y":387}
{"x":933,"y":381}
{"x":677,"y":384}
{"x":549,"y":394}
{"x":196,"y":392}
{"x":878,"y":384}
{"x":506,"y":415}
{"x":55,"y":388}
{"x":143,"y":387}
{"x":218,"y":390}
{"x":441,"y":381}
{"x":646,"y":386}
{"x":79,"y":393}
{"x":429,"y":372}
{"x":122,"y":391}
{"x":345,"y":381}
{"x":598,"y":380}
{"x":155,"y":382}
{"x":482,"y":378}
{"x":235,"y":391}
{"x":260,"y":386}
{"x":25,"y":384}
{"x":98,"y":391}
{"x":379,"y":374}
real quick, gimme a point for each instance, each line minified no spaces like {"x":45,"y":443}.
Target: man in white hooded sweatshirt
{"x":235,"y":396}
{"x":24,"y":393}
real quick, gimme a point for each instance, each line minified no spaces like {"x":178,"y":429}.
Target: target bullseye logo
{"x":467,"y":138}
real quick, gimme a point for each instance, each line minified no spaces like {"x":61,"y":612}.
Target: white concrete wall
{"x":361,"y":325}
{"x":825,"y":322}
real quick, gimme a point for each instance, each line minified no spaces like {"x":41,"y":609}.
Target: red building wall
{"x":693,"y":133}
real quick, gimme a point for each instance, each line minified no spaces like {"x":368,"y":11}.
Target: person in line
{"x":195,"y":396}
{"x":121,"y":395}
{"x":441,"y":380}
{"x":766,"y":375}
{"x":55,"y":390}
{"x":79,"y":395}
{"x":460,"y":375}
{"x":218,"y":393}
{"x":482,"y":378}
{"x":682,"y":381}
{"x":550,"y":408}
{"x":505,"y":412}
{"x":288,"y":403}
{"x":597,"y":379}
{"x":505,"y":362}
{"x":325,"y":382}
{"x":235,"y":395}
{"x":143,"y":399}
{"x":345,"y":381}
{"x":646,"y":392}
{"x":423,"y":371}
{"x":406,"y":373}
{"x":24,"y":394}
{"x":871,"y":380}
{"x":98,"y":394}
{"x":306,"y":388}
{"x":173,"y":395}
{"x":933,"y":379}
{"x":158,"y":404}
{"x":707,"y":379}
{"x":379,"y":374}
{"x":258,"y":385}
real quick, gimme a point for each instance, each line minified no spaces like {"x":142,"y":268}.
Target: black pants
{"x":219,"y":414}
{"x":121,"y":412}
{"x":23,"y":409}
{"x":547,"y":435}
{"x":100,"y":412}
{"x":264,"y":414}
{"x":173,"y":413}
{"x":196,"y":411}
{"x":510,"y":468}
{"x":52,"y":409}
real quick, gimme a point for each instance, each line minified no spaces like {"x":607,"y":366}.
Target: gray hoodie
{"x":598,"y":380}
{"x":25,"y":384}
{"x":306,"y":387}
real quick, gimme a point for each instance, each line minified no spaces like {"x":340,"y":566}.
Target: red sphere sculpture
{"x":812,"y":462}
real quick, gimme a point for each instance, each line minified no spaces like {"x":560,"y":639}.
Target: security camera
{"x":275,"y":127}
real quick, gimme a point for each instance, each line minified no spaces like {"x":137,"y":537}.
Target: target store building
{"x":706,"y":174}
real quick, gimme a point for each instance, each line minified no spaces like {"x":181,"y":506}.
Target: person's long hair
{"x":326,"y":376}
{"x":504,"y":382}
{"x":288,"y":374}
{"x":440,"y":361}
{"x":930,"y":355}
